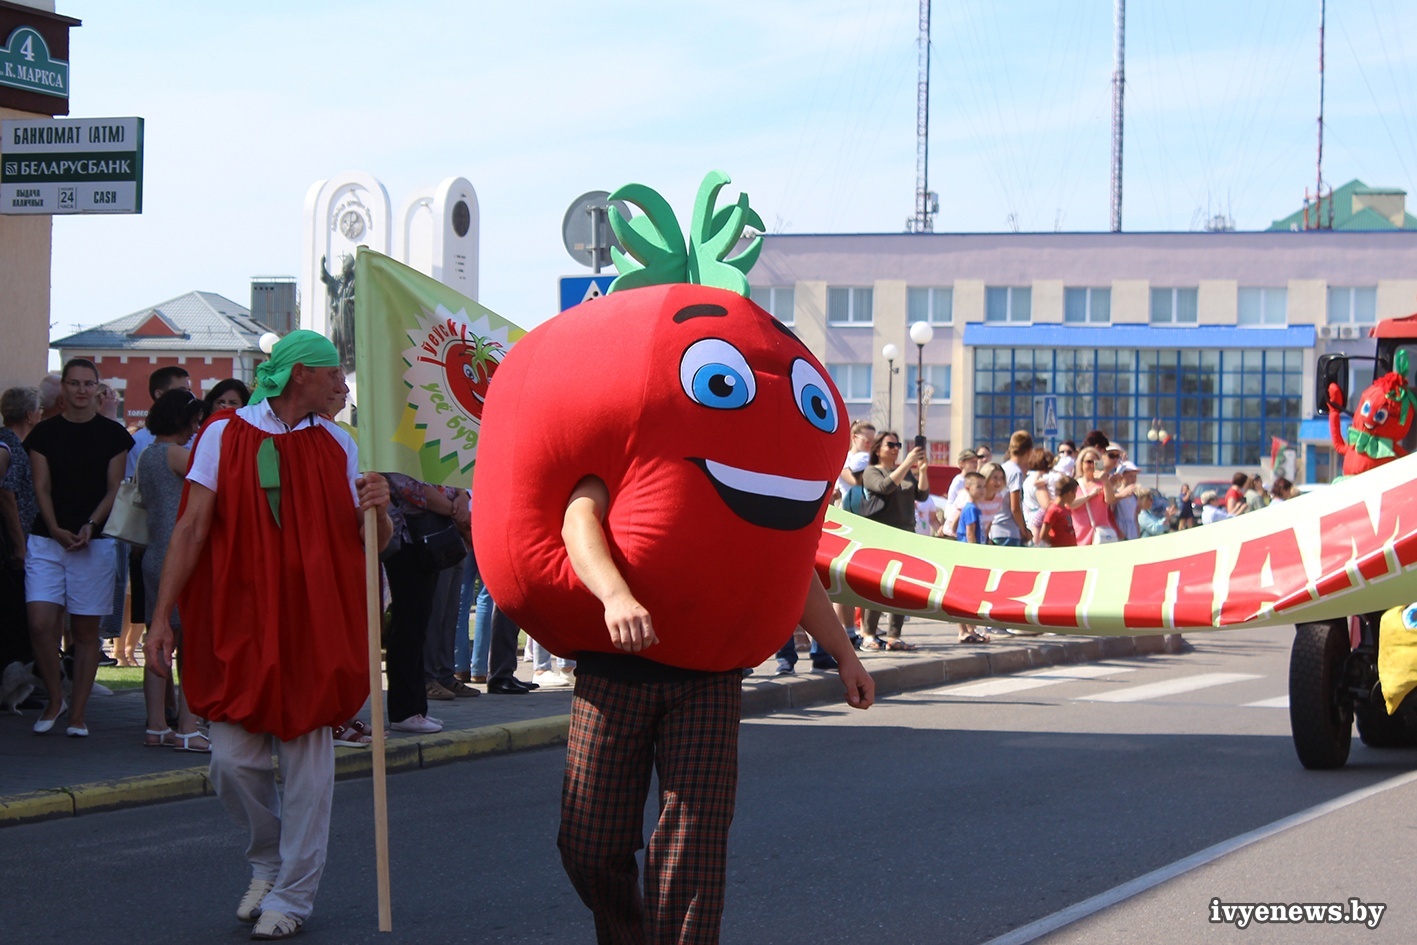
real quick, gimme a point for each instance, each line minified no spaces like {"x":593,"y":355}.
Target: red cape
{"x":274,"y":615}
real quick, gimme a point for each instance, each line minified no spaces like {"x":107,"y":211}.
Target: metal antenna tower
{"x":1119,"y":82}
{"x":927,"y":204}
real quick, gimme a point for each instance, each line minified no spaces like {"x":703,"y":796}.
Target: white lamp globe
{"x":268,"y":341}
{"x":890,"y":353}
{"x":1152,"y":435}
{"x":921,"y":333}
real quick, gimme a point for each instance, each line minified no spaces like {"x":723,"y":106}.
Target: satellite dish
{"x":585,"y":230}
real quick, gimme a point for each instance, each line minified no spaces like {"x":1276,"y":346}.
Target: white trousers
{"x":289,"y":829}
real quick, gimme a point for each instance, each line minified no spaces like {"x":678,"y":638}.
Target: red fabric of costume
{"x":274,"y":615}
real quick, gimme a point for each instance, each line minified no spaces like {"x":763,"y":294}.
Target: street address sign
{"x":25,"y":64}
{"x":71,"y":165}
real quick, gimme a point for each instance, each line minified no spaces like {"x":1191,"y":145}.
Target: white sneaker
{"x":418,"y":724}
{"x":275,"y":925}
{"x":250,"y":905}
{"x":550,"y":679}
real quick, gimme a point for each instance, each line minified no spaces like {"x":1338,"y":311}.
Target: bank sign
{"x":71,"y":165}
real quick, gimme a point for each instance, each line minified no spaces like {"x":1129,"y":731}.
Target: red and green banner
{"x":424,"y":356}
{"x":1346,"y":549}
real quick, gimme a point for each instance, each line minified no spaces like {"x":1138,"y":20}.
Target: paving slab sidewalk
{"x":43,"y":777}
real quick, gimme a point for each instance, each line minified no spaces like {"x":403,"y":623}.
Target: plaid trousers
{"x":687,"y":732}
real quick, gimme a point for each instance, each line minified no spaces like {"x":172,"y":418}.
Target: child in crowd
{"x":973,"y":528}
{"x":956,"y":496}
{"x":1057,"y":528}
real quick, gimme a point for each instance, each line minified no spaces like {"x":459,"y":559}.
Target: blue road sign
{"x":578,"y":289}
{"x":1045,"y":416}
{"x":1050,"y":415}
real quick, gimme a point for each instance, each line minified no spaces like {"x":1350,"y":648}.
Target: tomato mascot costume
{"x":717,"y":437}
{"x":1381,"y":421}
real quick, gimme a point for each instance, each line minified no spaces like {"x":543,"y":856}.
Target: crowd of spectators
{"x":1080,"y":495}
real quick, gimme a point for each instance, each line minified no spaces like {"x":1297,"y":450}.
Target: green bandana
{"x":301,"y":346}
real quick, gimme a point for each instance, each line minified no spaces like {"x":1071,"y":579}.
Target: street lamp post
{"x":1159,"y":437}
{"x":891,"y":353}
{"x":920,"y":333}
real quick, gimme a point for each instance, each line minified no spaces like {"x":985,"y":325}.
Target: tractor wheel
{"x":1322,"y":727}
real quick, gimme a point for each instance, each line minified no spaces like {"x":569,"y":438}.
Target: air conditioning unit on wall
{"x":1327,"y":331}
{"x":1350,"y":331}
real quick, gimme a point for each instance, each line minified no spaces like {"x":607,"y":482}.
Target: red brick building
{"x":211,"y":336}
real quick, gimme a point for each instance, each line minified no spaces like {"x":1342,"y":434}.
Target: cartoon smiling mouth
{"x":768,"y":501}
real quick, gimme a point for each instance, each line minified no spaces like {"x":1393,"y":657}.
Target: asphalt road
{"x":960,"y":815}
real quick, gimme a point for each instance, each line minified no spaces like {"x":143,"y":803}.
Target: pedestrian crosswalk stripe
{"x":1033,"y":679}
{"x":1278,"y":702}
{"x":1169,"y":687}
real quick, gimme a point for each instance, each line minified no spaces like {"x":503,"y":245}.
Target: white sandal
{"x":184,"y":742}
{"x":161,"y":737}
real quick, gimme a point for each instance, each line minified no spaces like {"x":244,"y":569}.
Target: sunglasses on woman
{"x":891,"y":446}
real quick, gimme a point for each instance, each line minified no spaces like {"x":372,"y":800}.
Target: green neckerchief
{"x":1377,"y":447}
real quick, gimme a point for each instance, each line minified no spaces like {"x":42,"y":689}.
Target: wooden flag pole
{"x":376,"y":718}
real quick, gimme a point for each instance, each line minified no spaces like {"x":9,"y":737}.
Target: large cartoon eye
{"x":715,"y":374}
{"x":1367,"y":409}
{"x":467,"y":372}
{"x":1409,"y":616}
{"x":1381,"y":416}
{"x":813,"y":396}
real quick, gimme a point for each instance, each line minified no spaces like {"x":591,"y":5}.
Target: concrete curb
{"x":427,"y":751}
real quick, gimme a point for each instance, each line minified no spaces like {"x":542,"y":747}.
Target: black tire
{"x":1377,"y":729}
{"x":1322,"y":728}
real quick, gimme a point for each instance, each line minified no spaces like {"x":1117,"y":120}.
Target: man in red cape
{"x":267,"y":566}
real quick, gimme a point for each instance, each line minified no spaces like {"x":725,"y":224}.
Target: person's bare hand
{"x":65,"y":538}
{"x":373,"y":490}
{"x":157,"y":647}
{"x":860,"y":687}
{"x":82,"y":536}
{"x":630,"y":628}
{"x":915,"y":457}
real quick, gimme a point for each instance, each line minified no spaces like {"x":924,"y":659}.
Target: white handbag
{"x":128,"y":520}
{"x":1101,"y":534}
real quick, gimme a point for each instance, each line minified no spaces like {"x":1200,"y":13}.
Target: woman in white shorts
{"x":78,"y":459}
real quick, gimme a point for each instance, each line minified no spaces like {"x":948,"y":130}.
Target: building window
{"x":937,"y":378}
{"x":934,"y":305}
{"x":1223,"y":407}
{"x":853,"y":380}
{"x":1087,"y":306}
{"x":1008,"y":304}
{"x":1174,"y":306}
{"x":777,"y":301}
{"x":1263,"y":307}
{"x":848,"y":306}
{"x":1356,"y":305}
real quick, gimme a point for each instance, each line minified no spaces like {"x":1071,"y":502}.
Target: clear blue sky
{"x":808,"y":104}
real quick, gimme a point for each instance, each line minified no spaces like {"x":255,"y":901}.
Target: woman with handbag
{"x":1091,"y":508}
{"x":893,"y":486}
{"x":427,"y":542}
{"x":160,"y":476}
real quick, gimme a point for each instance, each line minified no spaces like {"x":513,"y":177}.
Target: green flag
{"x":424,"y":356}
